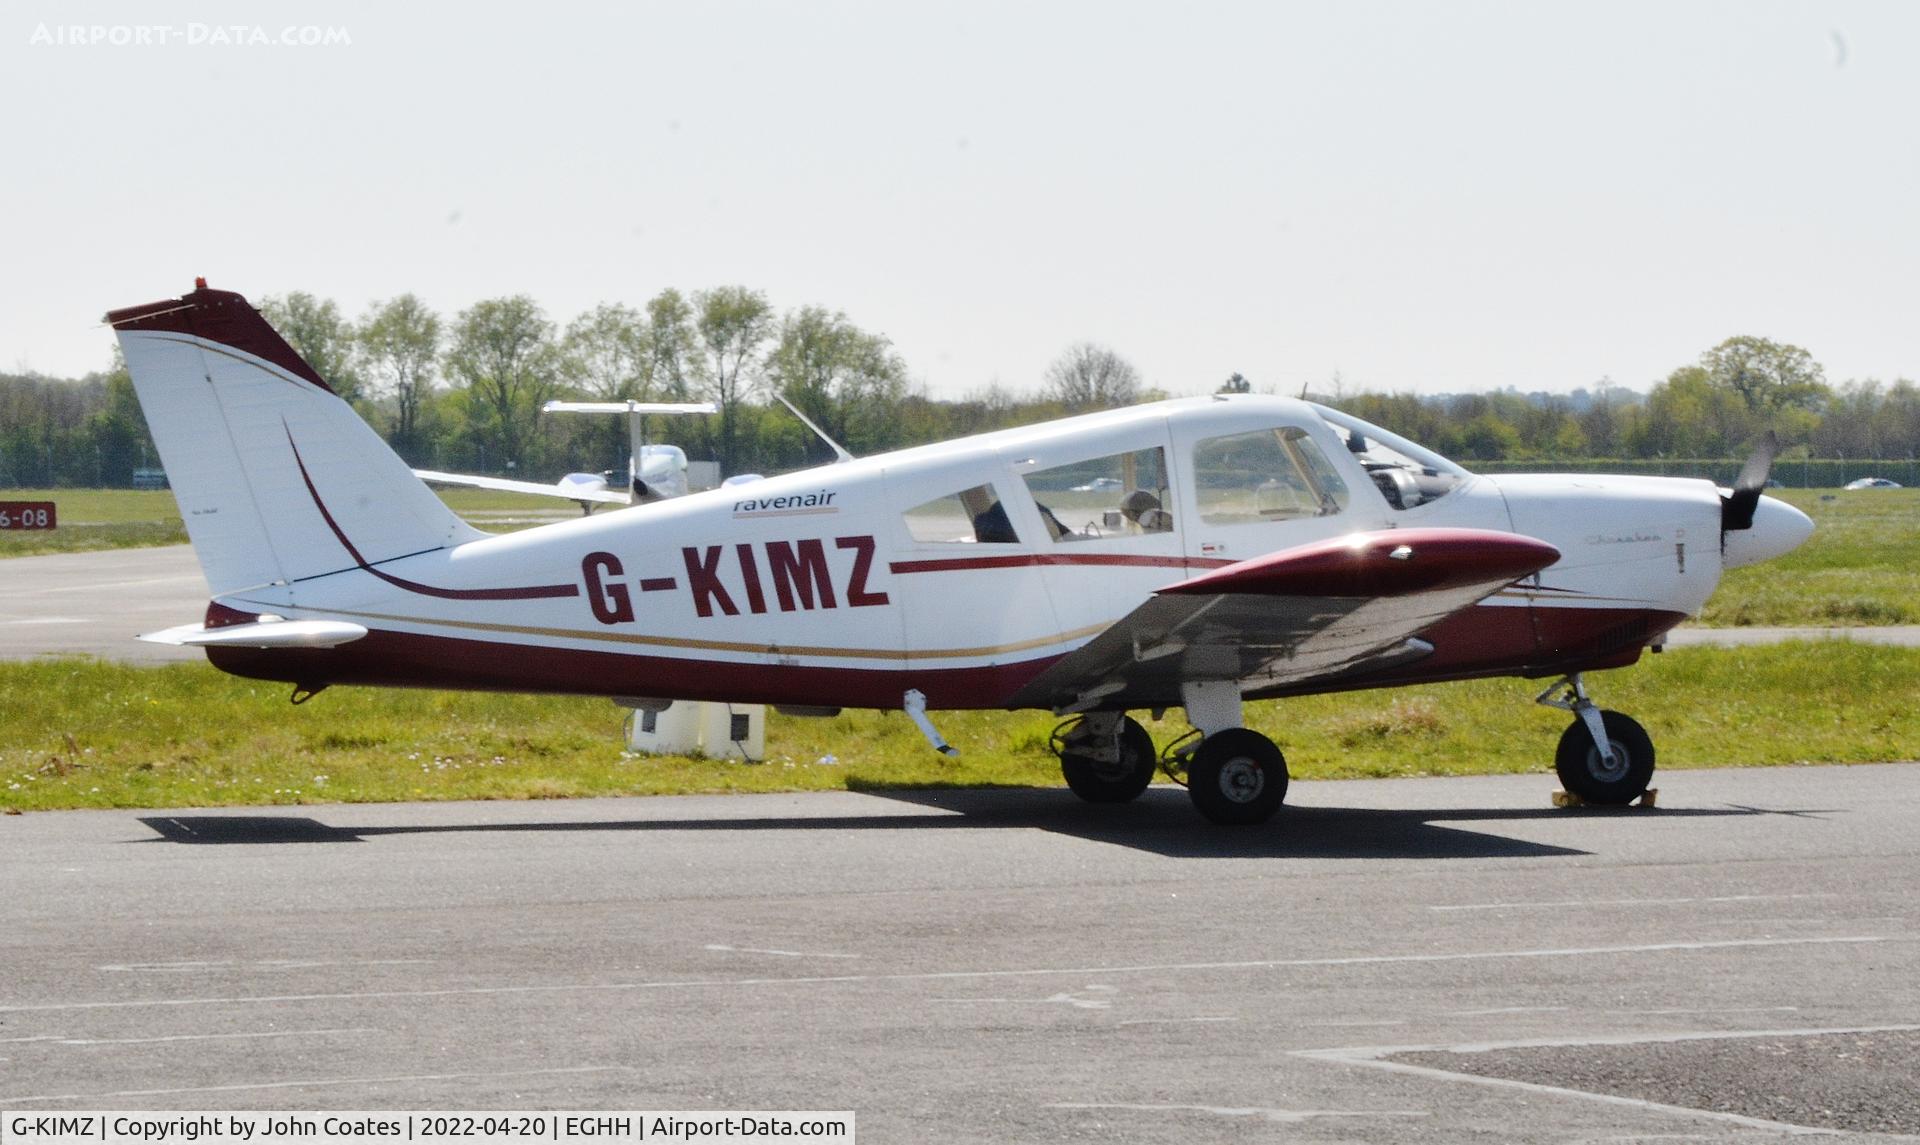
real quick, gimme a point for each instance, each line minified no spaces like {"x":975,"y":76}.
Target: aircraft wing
{"x":1315,"y":611}
{"x":537,"y":488}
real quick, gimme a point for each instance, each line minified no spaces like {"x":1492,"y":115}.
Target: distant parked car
{"x":1871,"y":483}
{"x":1097,"y":484}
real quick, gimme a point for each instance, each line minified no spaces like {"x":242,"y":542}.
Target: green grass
{"x":90,"y":520}
{"x":184,"y":735}
{"x":1862,"y":566}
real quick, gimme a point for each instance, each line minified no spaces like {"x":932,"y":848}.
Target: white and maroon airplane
{"x":1192,"y":553}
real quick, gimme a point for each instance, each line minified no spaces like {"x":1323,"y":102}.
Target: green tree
{"x":672,"y":347}
{"x":608,"y":358}
{"x":315,"y":330}
{"x":732,"y":323}
{"x":848,"y":381}
{"x":119,"y":430}
{"x":1489,"y":438}
{"x":399,"y":342}
{"x":607,"y":353}
{"x":1768,"y":376}
{"x":1088,"y":376}
{"x":504,"y":361}
{"x":1690,"y":415}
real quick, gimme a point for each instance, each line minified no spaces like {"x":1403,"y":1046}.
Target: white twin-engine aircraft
{"x":1192,"y":553}
{"x":654,"y":472}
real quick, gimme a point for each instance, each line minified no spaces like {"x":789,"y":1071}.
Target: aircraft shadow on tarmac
{"x":1161,"y":822}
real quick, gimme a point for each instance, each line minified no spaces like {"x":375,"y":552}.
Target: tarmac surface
{"x":97,"y":603}
{"x":1407,"y":960}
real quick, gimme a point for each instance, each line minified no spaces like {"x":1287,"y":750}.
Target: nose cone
{"x":1778,"y":529}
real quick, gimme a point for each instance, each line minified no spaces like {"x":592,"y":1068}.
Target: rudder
{"x":273,"y":471}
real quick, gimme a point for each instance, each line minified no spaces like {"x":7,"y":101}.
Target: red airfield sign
{"x":26,"y":515}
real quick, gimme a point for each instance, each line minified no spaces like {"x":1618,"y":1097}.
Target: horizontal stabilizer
{"x":261,"y":634}
{"x":630,"y":407}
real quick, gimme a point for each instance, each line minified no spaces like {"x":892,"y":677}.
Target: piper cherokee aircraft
{"x":1194,"y":553}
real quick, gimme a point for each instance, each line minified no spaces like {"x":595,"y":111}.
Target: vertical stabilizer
{"x":272,"y":469}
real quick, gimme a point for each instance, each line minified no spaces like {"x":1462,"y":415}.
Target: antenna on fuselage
{"x":839,"y":451}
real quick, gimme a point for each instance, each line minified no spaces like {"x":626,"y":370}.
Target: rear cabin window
{"x":1120,"y":495}
{"x":971,"y":516}
{"x":1265,"y":475}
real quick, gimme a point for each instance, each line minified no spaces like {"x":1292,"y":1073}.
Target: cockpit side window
{"x":971,"y":516}
{"x":1265,"y":475}
{"x":1120,"y":495}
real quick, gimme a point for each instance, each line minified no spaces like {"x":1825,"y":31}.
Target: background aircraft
{"x":654,"y":472}
{"x":1192,"y":553}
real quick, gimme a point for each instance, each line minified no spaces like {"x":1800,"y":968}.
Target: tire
{"x":1237,"y":777}
{"x":1120,"y":781}
{"x":1583,"y":773}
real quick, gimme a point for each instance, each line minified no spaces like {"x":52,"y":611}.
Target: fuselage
{"x":964,"y":569}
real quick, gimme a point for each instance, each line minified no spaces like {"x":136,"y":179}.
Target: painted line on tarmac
{"x":1372,"y":1057}
{"x":1621,"y":902}
{"x":316,"y":1083}
{"x":1277,"y":1116}
{"x":725,"y":949}
{"x":209,"y":1037}
{"x":255,"y":964}
{"x":958,"y":975}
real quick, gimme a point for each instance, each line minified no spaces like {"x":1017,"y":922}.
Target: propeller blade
{"x":1736,"y":510}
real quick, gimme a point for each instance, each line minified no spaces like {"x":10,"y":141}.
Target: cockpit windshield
{"x":1407,"y":474}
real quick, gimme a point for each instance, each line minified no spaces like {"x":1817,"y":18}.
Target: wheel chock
{"x":1648,"y":798}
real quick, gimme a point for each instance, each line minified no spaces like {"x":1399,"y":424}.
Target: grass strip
{"x":87,"y":733}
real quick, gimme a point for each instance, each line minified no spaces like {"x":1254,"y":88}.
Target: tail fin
{"x":273,"y":471}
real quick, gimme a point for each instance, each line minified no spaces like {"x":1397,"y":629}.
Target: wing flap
{"x":1318,"y":610}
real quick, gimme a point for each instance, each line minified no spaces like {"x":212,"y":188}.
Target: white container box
{"x":733,"y":731}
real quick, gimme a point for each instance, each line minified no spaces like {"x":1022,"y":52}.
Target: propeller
{"x":1736,"y":509}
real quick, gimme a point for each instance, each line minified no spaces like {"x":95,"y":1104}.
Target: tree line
{"x":1709,"y":409}
{"x":465,"y":393}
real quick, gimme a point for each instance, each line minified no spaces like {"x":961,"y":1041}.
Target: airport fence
{"x":1795,"y":473}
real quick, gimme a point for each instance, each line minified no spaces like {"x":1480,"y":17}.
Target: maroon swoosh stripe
{"x":528,"y":592}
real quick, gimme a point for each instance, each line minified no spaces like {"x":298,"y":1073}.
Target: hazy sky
{"x":1418,"y":196}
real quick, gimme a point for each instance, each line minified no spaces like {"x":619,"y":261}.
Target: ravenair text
{"x":726,"y":580}
{"x":786,"y":504}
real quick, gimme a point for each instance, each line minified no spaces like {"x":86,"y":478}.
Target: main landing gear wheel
{"x":1237,"y":777}
{"x":1595,"y":779}
{"x":1107,"y":780}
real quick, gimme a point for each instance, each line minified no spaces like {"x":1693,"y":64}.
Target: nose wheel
{"x":1605,"y":757}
